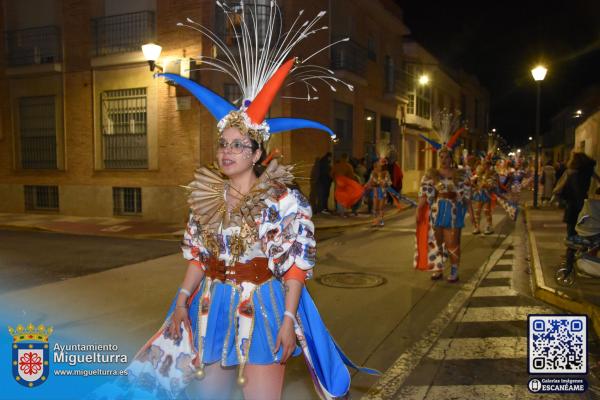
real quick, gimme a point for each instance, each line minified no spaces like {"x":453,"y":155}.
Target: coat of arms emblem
{"x":30,"y":354}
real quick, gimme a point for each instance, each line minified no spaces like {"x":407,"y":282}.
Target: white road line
{"x":505,"y":262}
{"x":516,"y":313}
{"x":493,"y":291}
{"x":499,"y":274}
{"x":488,"y":348}
{"x":394,"y":377}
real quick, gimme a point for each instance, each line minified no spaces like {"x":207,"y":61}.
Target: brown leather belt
{"x":256,"y":271}
{"x":448,"y":195}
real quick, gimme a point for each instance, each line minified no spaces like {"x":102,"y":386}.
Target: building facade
{"x":432,"y":87}
{"x":87,"y":130}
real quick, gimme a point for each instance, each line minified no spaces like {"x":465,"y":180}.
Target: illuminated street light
{"x":369,"y":118}
{"x":538,"y":73}
{"x":530,"y":138}
{"x":493,"y":129}
{"x":151,"y":53}
{"x":423,"y":80}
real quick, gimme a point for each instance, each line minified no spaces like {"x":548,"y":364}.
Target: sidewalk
{"x":546,"y":233}
{"x":137,"y":228}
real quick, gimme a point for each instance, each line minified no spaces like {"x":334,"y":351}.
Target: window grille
{"x":127,"y":201}
{"x":37,"y":128}
{"x":41,"y":197}
{"x":124,"y":128}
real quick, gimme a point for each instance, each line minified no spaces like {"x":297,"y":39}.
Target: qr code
{"x":557,"y":344}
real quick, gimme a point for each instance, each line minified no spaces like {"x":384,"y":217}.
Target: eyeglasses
{"x":235,"y":147}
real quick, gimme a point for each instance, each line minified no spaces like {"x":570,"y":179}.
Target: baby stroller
{"x":585,"y":245}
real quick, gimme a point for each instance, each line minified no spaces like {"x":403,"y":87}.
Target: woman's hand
{"x":286,"y":339}
{"x":179,"y":315}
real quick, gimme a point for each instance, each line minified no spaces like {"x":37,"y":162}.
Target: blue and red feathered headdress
{"x":447,"y":127}
{"x":260,"y":66}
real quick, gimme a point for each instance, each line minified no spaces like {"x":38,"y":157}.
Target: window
{"x":421,"y":155}
{"x":390,"y":75}
{"x":419,"y":96}
{"x":33,"y":46}
{"x":122,"y":33}
{"x":37,"y":128}
{"x":410,"y":153}
{"x":343,"y":114}
{"x":229,"y":25}
{"x":233,"y":93}
{"x":127,"y":201}
{"x":124,"y":129}
{"x":372,"y":49}
{"x":41,"y":198}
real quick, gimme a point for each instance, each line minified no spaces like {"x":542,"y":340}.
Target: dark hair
{"x":580,"y":161}
{"x":258,"y":167}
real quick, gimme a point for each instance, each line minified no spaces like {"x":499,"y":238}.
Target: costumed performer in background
{"x":484,"y":185}
{"x":443,"y":202}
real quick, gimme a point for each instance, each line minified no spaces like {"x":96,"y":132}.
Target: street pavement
{"x":482,"y":353}
{"x":429,"y":339}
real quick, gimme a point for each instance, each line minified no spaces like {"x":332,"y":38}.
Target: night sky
{"x":501,"y":41}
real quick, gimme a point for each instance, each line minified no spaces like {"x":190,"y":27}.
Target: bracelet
{"x":292,"y":317}
{"x":185,"y":291}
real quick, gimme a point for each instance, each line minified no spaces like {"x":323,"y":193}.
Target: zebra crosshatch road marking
{"x":482,"y":351}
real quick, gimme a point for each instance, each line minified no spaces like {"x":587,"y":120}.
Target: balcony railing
{"x":122,"y":33}
{"x":349,"y":56}
{"x":33,"y":46}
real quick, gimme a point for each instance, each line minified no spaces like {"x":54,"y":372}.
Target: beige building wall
{"x":587,"y":136}
{"x":179,"y":139}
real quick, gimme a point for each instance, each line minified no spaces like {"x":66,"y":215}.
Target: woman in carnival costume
{"x":243,"y":309}
{"x":443,"y":202}
{"x":503,"y":175}
{"x":379,"y":182}
{"x":485,"y":183}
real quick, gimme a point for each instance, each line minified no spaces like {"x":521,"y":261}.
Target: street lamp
{"x":423,"y":80}
{"x":538,"y":73}
{"x":151,"y":53}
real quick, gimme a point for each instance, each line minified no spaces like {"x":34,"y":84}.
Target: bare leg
{"x":488,"y":216}
{"x":217,"y":384}
{"x":265,"y":382}
{"x":439,"y":239}
{"x":477,"y":211}
{"x":452,"y":240}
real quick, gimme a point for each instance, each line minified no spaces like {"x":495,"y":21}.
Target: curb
{"x":389,"y":215}
{"x":177,"y":237}
{"x":551,"y":295}
{"x":139,"y":236}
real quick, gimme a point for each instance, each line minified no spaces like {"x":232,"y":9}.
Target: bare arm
{"x":287,"y":337}
{"x":193,"y":277}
